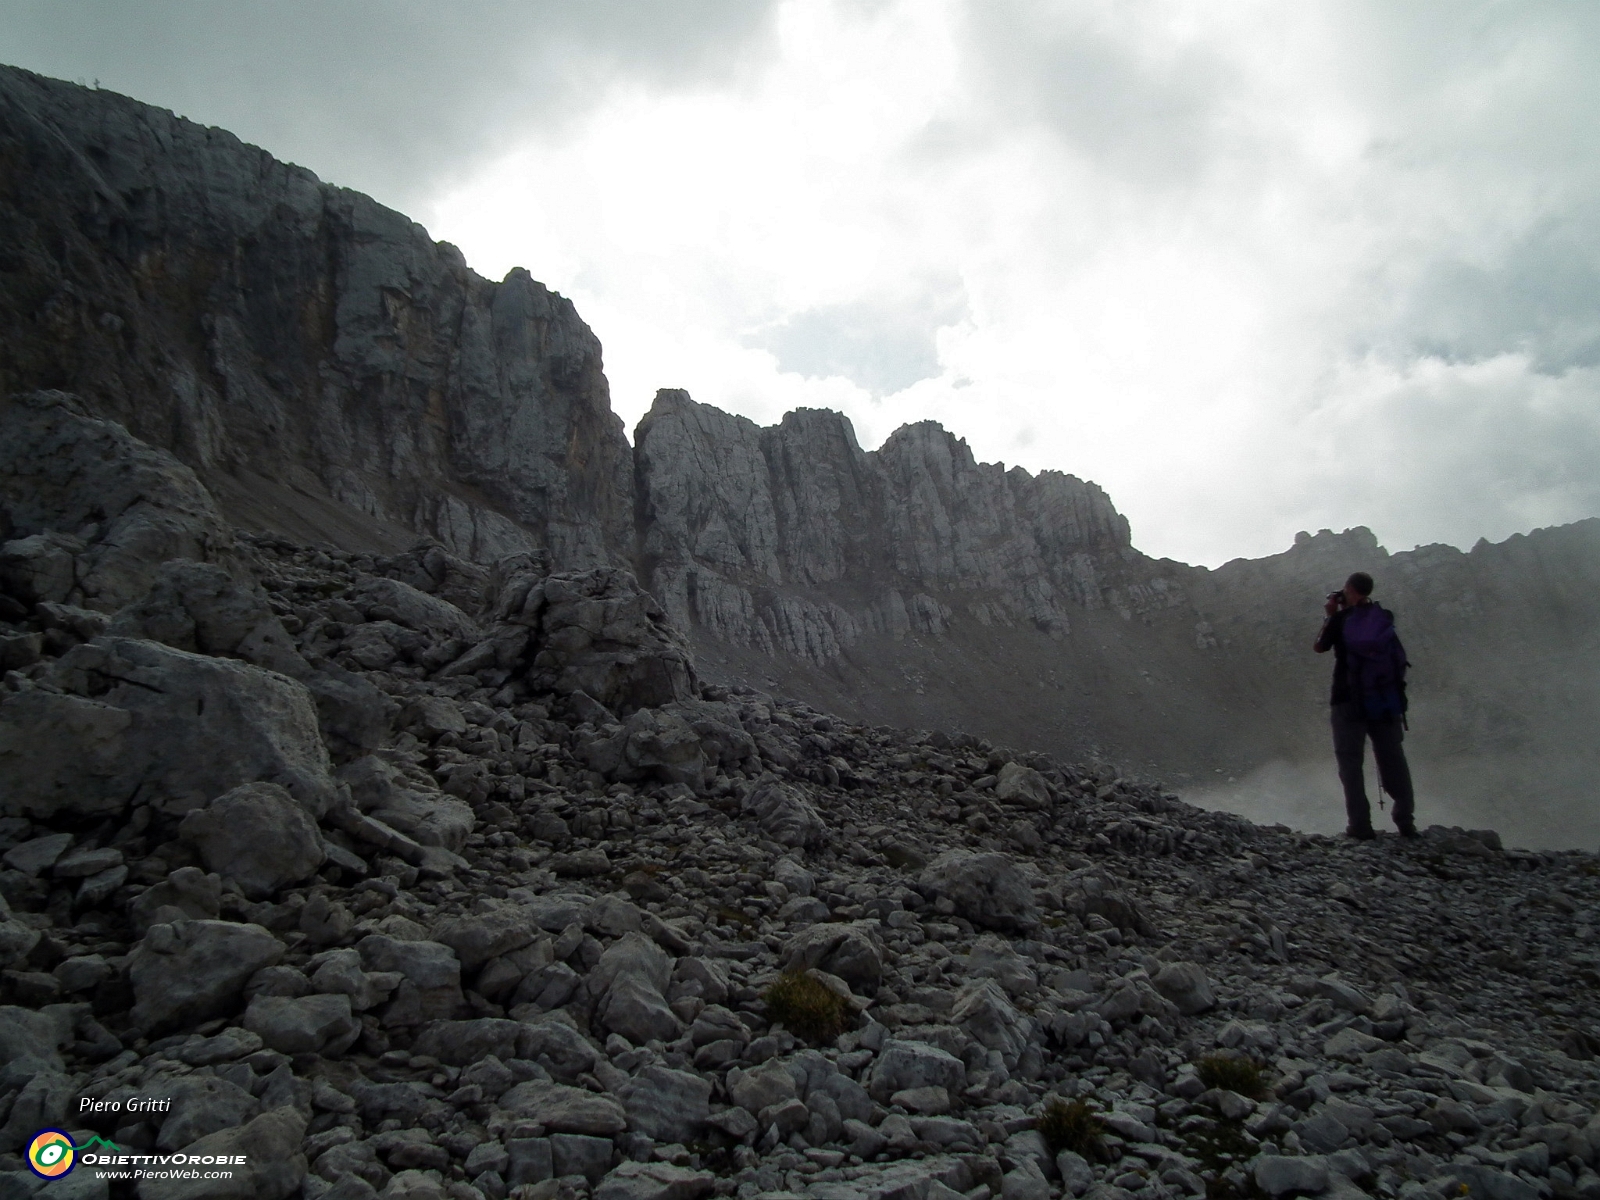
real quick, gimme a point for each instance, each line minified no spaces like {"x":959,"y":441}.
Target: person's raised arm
{"x":1324,"y":641}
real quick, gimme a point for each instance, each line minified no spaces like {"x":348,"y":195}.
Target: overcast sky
{"x":1253,"y":268}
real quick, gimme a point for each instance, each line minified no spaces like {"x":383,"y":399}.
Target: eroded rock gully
{"x":411,"y":877}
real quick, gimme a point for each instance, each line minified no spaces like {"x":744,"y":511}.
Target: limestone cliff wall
{"x":794,"y":540}
{"x":291,"y":339}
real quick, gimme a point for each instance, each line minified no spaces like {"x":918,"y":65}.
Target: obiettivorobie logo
{"x":52,"y":1154}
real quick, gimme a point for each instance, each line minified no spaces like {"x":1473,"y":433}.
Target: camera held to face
{"x":1337,"y":597}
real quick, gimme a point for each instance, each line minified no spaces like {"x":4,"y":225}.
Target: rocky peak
{"x":883,"y":540}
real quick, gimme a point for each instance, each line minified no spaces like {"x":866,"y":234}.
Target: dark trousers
{"x":1351,"y":729}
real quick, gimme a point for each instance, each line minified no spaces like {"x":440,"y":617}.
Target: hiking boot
{"x":1361,"y":835}
{"x":1408,"y":831}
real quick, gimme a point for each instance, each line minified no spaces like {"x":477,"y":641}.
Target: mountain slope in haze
{"x":333,"y":374}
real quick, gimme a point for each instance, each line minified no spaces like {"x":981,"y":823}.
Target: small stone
{"x":38,"y":855}
{"x":927,"y":1101}
{"x":1279,"y":1174}
{"x":320,"y":1024}
{"x":80,"y":864}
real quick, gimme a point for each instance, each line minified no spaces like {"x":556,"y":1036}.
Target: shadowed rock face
{"x":316,"y":357}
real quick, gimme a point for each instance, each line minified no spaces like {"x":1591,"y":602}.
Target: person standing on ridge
{"x":1369,"y":700}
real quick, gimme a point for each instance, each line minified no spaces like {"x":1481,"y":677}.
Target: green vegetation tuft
{"x":1243,"y":1075}
{"x":807,"y":1007}
{"x":1072,"y":1125}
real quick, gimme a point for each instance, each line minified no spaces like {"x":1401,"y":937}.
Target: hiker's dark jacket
{"x":1333,"y":639}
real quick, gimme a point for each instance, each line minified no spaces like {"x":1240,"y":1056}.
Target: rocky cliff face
{"x":328,"y":372}
{"x":794,"y":540}
{"x":314,"y":356}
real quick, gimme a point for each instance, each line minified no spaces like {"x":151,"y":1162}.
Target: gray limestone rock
{"x":190,"y":971}
{"x":565,"y":1109}
{"x":62,"y":469}
{"x":985,"y":888}
{"x":761,"y":1088}
{"x":1022,"y":787}
{"x":1278,"y":1174}
{"x":654,"y":1181}
{"x":431,"y":976}
{"x":667,"y":1105}
{"x":600,"y":633}
{"x":187,"y":892}
{"x":257,"y":835}
{"x":983,"y":1010}
{"x":201,"y":608}
{"x":850,"y":951}
{"x":1077,"y":1176}
{"x":630,"y":980}
{"x":784,"y":814}
{"x":902,"y":1065}
{"x":38,"y":854}
{"x":481,"y":936}
{"x":1185,"y":984}
{"x":318,"y":1024}
{"x":33,"y":1036}
{"x":137,"y":720}
{"x":651,"y":744}
{"x":462,"y":1043}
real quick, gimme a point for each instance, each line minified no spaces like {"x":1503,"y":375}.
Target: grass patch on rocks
{"x":807,"y":1007}
{"x":1072,"y":1125}
{"x":1230,"y":1074}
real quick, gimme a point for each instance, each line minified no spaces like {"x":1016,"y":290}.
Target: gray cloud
{"x":1153,"y":118}
{"x":882,"y":347}
{"x":393,"y":97}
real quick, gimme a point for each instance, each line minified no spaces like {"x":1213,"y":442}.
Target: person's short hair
{"x":1361,"y":581}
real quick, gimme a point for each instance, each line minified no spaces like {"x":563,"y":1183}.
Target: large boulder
{"x":629,"y":982}
{"x":199,"y":607}
{"x":987,"y":1015}
{"x":1186,"y":986}
{"x":667,"y":1105}
{"x":985,"y":888}
{"x":903,"y":1065}
{"x":431,"y":977}
{"x":191,"y":971}
{"x":403,"y":802}
{"x":392,"y":600}
{"x":600,"y":633}
{"x":139,"y":721}
{"x":257,"y":835}
{"x":850,"y":951}
{"x":784,"y":814}
{"x":1022,"y":787}
{"x":654,"y":1181}
{"x":130,"y":507}
{"x":651,"y":744}
{"x":320,"y":1024}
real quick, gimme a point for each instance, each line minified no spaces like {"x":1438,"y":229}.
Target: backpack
{"x":1375,"y":661}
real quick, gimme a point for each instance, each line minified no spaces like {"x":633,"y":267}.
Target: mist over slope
{"x":333,"y":374}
